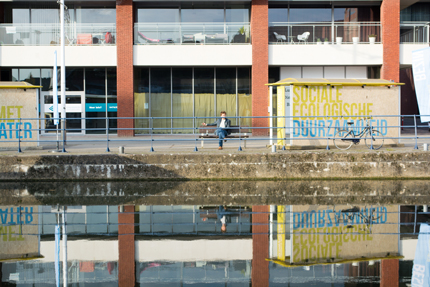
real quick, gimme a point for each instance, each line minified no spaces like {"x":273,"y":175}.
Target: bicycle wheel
{"x":377,"y":139}
{"x":343,"y":139}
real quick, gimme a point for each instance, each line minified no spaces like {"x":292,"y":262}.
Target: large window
{"x":323,"y":23}
{"x":37,"y":23}
{"x":190,"y":92}
{"x":202,"y":22}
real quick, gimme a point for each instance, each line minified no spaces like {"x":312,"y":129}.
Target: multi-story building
{"x":128,"y":58}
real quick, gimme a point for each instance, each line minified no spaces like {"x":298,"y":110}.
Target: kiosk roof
{"x":17,"y":85}
{"x":333,"y":82}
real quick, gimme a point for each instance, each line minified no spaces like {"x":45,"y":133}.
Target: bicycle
{"x":343,"y":139}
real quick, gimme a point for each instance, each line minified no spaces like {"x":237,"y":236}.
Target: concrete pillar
{"x":260,"y":64}
{"x":390,"y":21}
{"x":126,"y":248}
{"x":260,"y":245}
{"x":124,"y":44}
{"x":390,"y":273}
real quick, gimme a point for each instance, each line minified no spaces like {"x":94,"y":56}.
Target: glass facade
{"x":201,"y":92}
{"x":92,"y":89}
{"x":324,"y":22}
{"x":193,"y":12}
{"x":192,"y":22}
{"x":418,"y":12}
{"x":37,"y":23}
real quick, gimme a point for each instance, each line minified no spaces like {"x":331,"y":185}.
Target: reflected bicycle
{"x":345,"y":138}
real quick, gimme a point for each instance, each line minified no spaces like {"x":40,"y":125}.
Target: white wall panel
{"x":43,"y":56}
{"x":406,"y":52}
{"x":192,"y":55}
{"x":334,"y":72}
{"x":193,"y":250}
{"x":356,"y":72}
{"x":313,"y":72}
{"x":86,"y":250}
{"x":290,"y":72}
{"x":325,"y":55}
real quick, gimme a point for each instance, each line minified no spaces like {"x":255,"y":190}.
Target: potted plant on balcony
{"x":355,"y":40}
{"x":339,"y":40}
{"x":319,"y":41}
{"x":326,"y":41}
{"x":372,"y":38}
{"x":240,"y":37}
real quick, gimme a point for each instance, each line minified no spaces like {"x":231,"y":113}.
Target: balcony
{"x":192,"y":44}
{"x":33,"y":45}
{"x":191,"y":33}
{"x":413,"y":36}
{"x":414,"y":32}
{"x":325,"y":33}
{"x":49,"y":34}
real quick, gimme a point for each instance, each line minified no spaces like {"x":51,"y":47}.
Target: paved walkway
{"x":96,"y":144}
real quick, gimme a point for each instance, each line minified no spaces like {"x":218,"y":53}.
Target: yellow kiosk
{"x":310,"y":111}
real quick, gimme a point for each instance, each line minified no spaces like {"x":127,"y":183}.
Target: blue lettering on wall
{"x":16,"y":216}
{"x":330,"y":218}
{"x":327,"y":128}
{"x":11,"y":130}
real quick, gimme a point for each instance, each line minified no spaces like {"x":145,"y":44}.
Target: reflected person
{"x":221,"y":215}
{"x":223,"y":128}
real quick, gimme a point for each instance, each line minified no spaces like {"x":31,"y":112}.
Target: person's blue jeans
{"x":221,"y":133}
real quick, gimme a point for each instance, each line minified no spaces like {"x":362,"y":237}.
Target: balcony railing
{"x":49,"y":34}
{"x":414,"y":32}
{"x":329,"y":33}
{"x":191,"y":33}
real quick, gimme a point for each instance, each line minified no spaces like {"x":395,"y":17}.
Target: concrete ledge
{"x":290,"y":165}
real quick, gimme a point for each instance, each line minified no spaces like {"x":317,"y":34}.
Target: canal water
{"x":115,"y":240}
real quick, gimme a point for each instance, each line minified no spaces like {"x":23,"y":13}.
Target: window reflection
{"x":226,"y":92}
{"x":310,"y":15}
{"x":182,"y":98}
{"x":154,"y":15}
{"x":160,"y":98}
{"x":204,"y":95}
{"x":141,"y":100}
{"x":85,"y":15}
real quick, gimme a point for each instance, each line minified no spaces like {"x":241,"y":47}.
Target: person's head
{"x":223,"y":228}
{"x":223,"y":114}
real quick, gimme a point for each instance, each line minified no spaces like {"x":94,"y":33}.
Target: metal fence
{"x":15,"y":131}
{"x":49,"y":34}
{"x":192,"y":33}
{"x":329,"y":33}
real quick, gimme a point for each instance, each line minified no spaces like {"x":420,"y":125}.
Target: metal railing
{"x":320,"y":130}
{"x":414,"y":32}
{"x":329,"y":33}
{"x":192,"y":33}
{"x":49,"y":34}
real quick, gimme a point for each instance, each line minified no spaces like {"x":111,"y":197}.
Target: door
{"x":75,"y":112}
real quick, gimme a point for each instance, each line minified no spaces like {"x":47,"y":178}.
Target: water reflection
{"x":184,"y":245}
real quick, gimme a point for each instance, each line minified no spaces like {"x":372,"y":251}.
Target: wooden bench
{"x":207,"y":132}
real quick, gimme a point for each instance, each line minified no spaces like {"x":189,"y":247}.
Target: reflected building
{"x":137,"y":245}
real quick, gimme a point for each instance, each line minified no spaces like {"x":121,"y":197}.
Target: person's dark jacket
{"x":218,"y":122}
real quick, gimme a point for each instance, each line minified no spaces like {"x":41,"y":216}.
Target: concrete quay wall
{"x":289,"y":165}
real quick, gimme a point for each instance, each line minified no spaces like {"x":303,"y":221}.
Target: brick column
{"x":390,"y":273}
{"x":260,"y":245}
{"x":390,"y":21}
{"x":124,"y":45}
{"x":260,"y":64}
{"x":126,"y":261}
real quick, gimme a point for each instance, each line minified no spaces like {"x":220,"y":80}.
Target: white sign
{"x":70,"y":108}
{"x":421,"y":72}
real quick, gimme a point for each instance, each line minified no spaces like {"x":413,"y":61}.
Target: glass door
{"x":75,"y":112}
